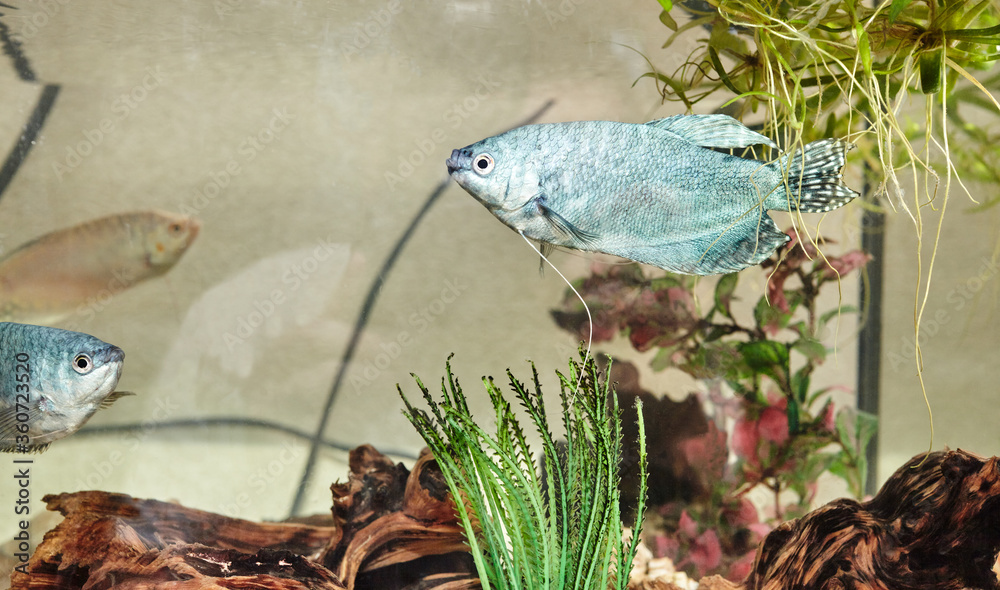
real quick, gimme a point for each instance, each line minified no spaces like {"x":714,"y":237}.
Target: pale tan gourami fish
{"x":80,"y":267}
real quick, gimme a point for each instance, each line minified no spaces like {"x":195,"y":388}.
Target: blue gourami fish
{"x":653,"y":193}
{"x":80,"y":268}
{"x":51,"y":382}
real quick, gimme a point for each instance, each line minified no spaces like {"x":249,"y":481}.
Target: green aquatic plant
{"x":529,"y":525}
{"x":757,"y":368}
{"x":833,"y":67}
{"x":899,"y":78}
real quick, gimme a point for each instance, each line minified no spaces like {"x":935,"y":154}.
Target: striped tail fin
{"x":815,"y":183}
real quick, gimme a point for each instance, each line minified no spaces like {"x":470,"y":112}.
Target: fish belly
{"x":46,"y":283}
{"x":680,"y":207}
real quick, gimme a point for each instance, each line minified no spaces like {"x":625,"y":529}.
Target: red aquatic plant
{"x":772,"y":430}
{"x":621,"y":300}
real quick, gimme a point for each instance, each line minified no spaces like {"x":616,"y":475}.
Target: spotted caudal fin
{"x":813,"y":181}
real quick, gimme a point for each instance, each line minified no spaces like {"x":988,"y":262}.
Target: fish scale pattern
{"x":653,"y":193}
{"x":51,"y":382}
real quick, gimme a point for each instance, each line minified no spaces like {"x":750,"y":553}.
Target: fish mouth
{"x":459,"y":160}
{"x":109,"y":355}
{"x":111,"y":359}
{"x":193,"y":227}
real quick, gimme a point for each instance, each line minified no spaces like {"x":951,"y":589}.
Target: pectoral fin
{"x":9,"y":428}
{"x":113,"y":397}
{"x":563,"y":226}
{"x":6,"y":447}
{"x":713,"y":131}
{"x":546,"y":249}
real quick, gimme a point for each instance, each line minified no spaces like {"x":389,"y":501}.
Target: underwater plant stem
{"x":362,"y":321}
{"x":809,"y":293}
{"x":870,"y":334}
{"x":12,"y":49}
{"x":359,"y":326}
{"x":937,"y":240}
{"x":142,"y":428}
{"x":29,"y":134}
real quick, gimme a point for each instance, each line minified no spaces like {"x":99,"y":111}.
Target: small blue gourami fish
{"x":51,"y":382}
{"x":652,"y":193}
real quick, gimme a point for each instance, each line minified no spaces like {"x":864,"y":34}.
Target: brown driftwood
{"x":115,"y":540}
{"x":387,"y":516}
{"x":706,"y":583}
{"x":935,"y":524}
{"x":390,"y":529}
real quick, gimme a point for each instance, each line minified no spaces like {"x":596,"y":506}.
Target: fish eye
{"x":82,"y":364}
{"x":176,"y":228}
{"x":483,"y":164}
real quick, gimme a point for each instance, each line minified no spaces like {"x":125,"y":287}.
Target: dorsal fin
{"x":712,"y":131}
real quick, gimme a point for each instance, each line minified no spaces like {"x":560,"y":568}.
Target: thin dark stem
{"x":366,"y":311}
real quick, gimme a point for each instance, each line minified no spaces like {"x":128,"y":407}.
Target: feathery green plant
{"x":530,"y":526}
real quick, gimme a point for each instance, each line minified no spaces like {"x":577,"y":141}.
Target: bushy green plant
{"x":818,"y":69}
{"x":554,"y":525}
{"x":897,"y":77}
